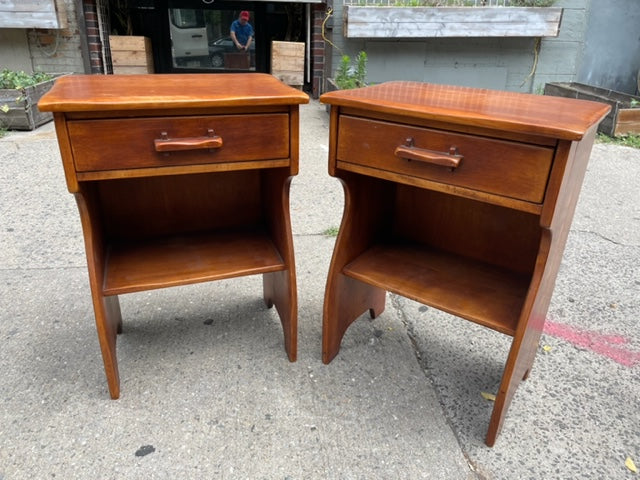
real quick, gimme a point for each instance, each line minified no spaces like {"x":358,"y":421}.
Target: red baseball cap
{"x":244,"y":15}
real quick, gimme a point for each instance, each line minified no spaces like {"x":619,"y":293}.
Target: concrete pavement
{"x":207,"y":391}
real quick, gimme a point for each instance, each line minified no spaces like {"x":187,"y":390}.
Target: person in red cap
{"x":242,"y":31}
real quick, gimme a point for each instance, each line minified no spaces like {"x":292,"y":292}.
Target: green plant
{"x":21,"y":99}
{"x":531,"y":3}
{"x":348,"y":76}
{"x":331,"y":232}
{"x":625,"y":140}
{"x":12,"y":79}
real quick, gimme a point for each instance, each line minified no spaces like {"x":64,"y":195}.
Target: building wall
{"x":69,"y":50}
{"x":94,"y":46}
{"x":498,"y":63}
{"x":612,"y":49}
{"x":14,"y":49}
{"x":58,"y":50}
{"x":317,"y":48}
{"x":44,"y":49}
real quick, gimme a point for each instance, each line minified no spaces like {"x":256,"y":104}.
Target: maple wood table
{"x":457,"y":198}
{"x":180,"y":179}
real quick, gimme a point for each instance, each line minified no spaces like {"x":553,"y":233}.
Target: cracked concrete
{"x":597,"y":234}
{"x":208,"y":392}
{"x":577,"y":414}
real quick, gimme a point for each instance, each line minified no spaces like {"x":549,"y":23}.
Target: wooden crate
{"x":131,"y":54}
{"x":623,"y":119}
{"x":19,"y":107}
{"x":237,"y":60}
{"x":287,"y":62}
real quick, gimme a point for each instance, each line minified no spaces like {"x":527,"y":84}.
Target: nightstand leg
{"x":365,"y":218}
{"x":280,"y":287}
{"x":346,"y":299}
{"x":280,"y":290}
{"x":517,"y":368}
{"x":108,"y":325}
{"x":106,"y":308}
{"x":530,"y":326}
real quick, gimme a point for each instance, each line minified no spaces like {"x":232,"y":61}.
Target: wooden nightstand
{"x":457,"y":198}
{"x":180,"y":179}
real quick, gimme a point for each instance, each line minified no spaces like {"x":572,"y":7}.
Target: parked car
{"x":223,"y":45}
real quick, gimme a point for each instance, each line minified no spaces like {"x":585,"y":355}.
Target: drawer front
{"x":489,"y":165}
{"x":115,"y":144}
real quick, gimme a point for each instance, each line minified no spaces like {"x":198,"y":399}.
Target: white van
{"x":189,"y":43}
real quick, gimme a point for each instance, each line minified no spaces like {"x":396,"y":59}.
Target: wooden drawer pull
{"x":451,"y":160}
{"x":166,"y":144}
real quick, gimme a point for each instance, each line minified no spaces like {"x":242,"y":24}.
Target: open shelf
{"x":179,"y":260}
{"x":485,"y":294}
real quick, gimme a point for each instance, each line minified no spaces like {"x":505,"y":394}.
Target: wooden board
{"x":287,"y":62}
{"x":628,"y":122}
{"x":131,"y":55}
{"x":32,"y":14}
{"x":125,"y":42}
{"x":422,"y":22}
{"x":473,"y":290}
{"x":182,"y":260}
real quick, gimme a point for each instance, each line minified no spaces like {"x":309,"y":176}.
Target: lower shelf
{"x":473,"y":290}
{"x":180,"y":260}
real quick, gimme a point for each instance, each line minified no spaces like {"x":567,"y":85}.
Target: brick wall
{"x":57,"y":50}
{"x":94,"y":43}
{"x":317,"y":49}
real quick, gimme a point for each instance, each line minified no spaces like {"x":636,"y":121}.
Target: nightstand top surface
{"x":556,"y":117}
{"x":88,"y":93}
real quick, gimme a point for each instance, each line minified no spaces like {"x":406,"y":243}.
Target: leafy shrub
{"x":348,"y":76}
{"x":20,"y":79}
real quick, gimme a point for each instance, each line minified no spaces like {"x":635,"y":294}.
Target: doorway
{"x":193,"y":36}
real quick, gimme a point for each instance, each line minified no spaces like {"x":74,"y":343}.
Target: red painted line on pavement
{"x":611,"y":346}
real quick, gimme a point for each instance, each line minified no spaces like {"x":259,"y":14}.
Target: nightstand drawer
{"x":500,"y":167}
{"x":113,"y":144}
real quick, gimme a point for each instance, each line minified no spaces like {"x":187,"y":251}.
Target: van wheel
{"x":217,"y":60}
